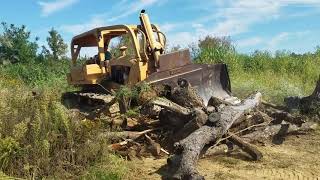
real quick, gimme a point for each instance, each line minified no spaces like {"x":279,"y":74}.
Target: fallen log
{"x":277,"y":132}
{"x":169,"y":105}
{"x":279,"y":116}
{"x":133,"y":135}
{"x":127,"y":148}
{"x":245,"y":146}
{"x":171,"y":114}
{"x":119,"y":146}
{"x":180,"y":117}
{"x":124,"y":104}
{"x":186,"y":96}
{"x":153,"y":147}
{"x":199,"y":118}
{"x":187,"y":151}
{"x":172,"y":119}
{"x":274,"y":106}
{"x":306,"y":105}
{"x":257,"y":117}
{"x":311,"y":104}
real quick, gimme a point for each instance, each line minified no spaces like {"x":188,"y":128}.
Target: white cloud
{"x":132,"y":8}
{"x":124,"y":8}
{"x":278,"y":39}
{"x":48,"y":8}
{"x":182,"y":38}
{"x":253,"y":41}
{"x":227,"y":18}
{"x":75,"y":29}
{"x":197,"y":25}
{"x":167,"y":27}
{"x":283,"y":37}
{"x":235,"y":17}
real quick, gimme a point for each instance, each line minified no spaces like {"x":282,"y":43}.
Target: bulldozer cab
{"x":116,"y":47}
{"x":122,"y":55}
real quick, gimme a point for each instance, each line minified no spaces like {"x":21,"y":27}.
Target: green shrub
{"x":15,"y":44}
{"x":276,"y":75}
{"x":40,"y":138}
{"x":215,"y":50}
{"x":39,"y":74}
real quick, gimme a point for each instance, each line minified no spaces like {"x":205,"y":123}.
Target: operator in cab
{"x":107,"y":53}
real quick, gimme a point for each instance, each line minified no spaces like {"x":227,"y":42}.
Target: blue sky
{"x":252,"y":24}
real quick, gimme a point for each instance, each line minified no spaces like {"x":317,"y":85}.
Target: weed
{"x":276,"y":75}
{"x":40,"y":139}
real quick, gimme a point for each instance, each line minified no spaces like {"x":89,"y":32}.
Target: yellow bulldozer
{"x":140,"y":56}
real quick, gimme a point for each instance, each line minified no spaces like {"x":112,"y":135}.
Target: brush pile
{"x":179,"y":125}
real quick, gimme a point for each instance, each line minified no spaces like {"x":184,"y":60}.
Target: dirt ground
{"x":298,"y":157}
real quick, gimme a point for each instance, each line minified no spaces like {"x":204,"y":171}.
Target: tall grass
{"x":40,"y":74}
{"x":40,"y":138}
{"x":277,"y":75}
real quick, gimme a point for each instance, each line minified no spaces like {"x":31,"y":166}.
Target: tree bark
{"x":171,"y":114}
{"x":199,"y":118}
{"x":277,"y":132}
{"x":311,"y":104}
{"x":187,"y":151}
{"x":306,"y":105}
{"x":124,"y":104}
{"x":245,"y":146}
{"x":279,"y":116}
{"x":133,"y":135}
{"x":171,"y":106}
{"x":186,"y":96}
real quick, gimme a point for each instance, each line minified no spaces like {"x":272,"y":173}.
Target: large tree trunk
{"x":186,"y":96}
{"x":187,"y":151}
{"x":311,"y":104}
{"x":307,"y":105}
{"x":198,"y":119}
{"x":171,"y":114}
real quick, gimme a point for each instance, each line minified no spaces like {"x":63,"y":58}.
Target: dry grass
{"x":296,"y":158}
{"x":40,"y":138}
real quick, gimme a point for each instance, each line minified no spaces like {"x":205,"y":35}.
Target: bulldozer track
{"x":86,"y":98}
{"x":89,"y":103}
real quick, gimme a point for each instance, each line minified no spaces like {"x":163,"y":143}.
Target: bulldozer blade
{"x":210,"y":80}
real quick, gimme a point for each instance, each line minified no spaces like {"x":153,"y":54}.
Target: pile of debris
{"x":179,"y":125}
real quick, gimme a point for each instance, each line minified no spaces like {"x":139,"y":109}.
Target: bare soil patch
{"x":298,"y":157}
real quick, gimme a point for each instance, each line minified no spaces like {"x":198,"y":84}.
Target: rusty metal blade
{"x":209,"y":79}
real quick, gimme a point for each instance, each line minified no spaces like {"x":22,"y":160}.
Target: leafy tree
{"x":15,"y":44}
{"x":56,"y":44}
{"x":215,"y":50}
{"x":222,"y":43}
{"x":44,"y":54}
{"x":317,"y":50}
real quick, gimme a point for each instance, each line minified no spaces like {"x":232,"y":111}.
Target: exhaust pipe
{"x":147,"y":29}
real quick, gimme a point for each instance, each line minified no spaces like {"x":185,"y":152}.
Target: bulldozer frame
{"x":147,"y":62}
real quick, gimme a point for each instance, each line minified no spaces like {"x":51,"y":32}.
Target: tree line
{"x":16,"y":45}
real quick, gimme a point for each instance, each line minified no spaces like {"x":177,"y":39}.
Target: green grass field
{"x":276,"y":75}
